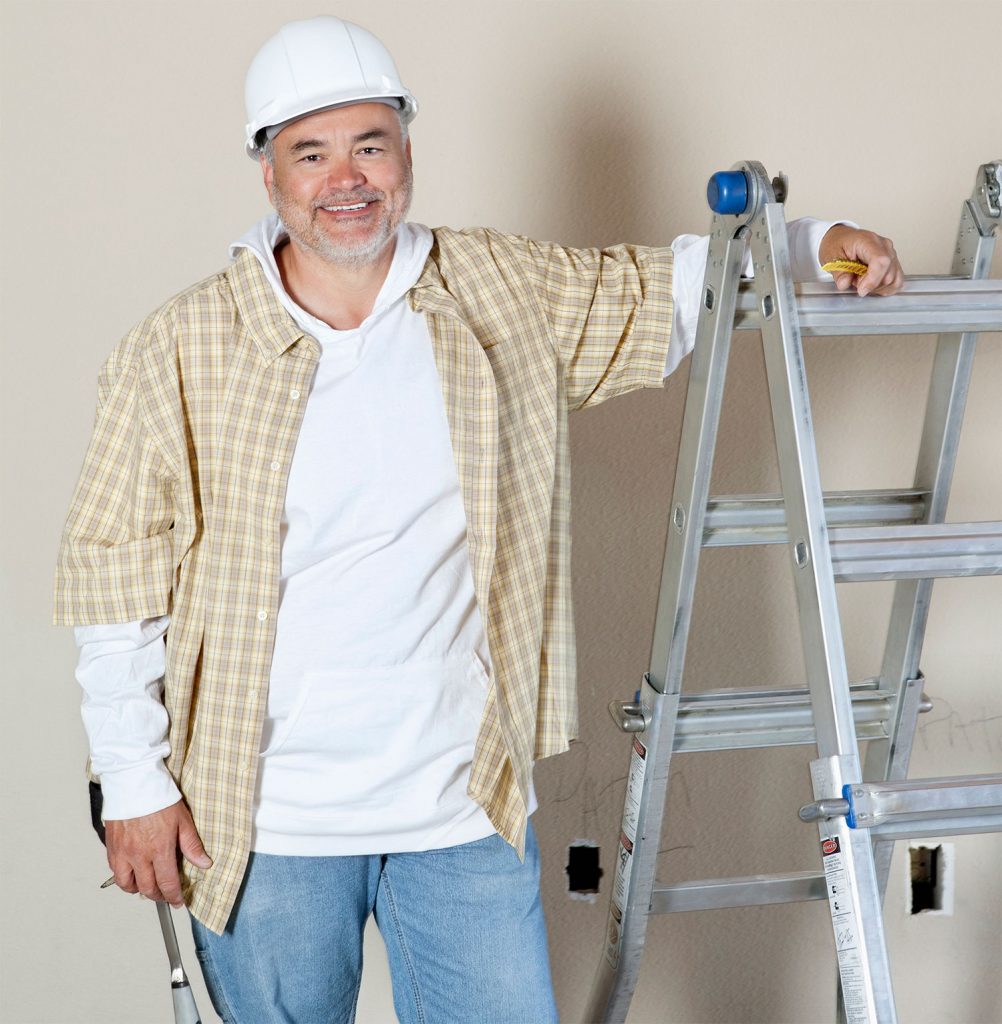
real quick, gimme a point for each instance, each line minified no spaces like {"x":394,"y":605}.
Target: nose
{"x":344,"y":174}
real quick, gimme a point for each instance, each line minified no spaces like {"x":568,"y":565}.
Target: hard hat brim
{"x":408,"y":106}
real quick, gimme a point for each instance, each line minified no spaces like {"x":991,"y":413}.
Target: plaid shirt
{"x":179,"y":504}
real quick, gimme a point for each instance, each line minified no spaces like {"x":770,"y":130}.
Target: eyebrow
{"x":304,"y":144}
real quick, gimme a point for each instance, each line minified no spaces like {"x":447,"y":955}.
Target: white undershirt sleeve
{"x":804,"y":234}
{"x":121,"y":670}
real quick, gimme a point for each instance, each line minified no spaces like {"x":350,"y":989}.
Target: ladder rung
{"x":948,"y":825}
{"x":737,"y":718}
{"x":917,"y":552}
{"x":753,"y":891}
{"x":745,"y":519}
{"x":927,"y":305}
{"x":958,"y":804}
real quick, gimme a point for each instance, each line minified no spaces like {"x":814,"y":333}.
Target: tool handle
{"x":185,"y":1010}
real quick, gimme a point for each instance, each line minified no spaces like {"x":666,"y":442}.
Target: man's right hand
{"x":143,"y":852}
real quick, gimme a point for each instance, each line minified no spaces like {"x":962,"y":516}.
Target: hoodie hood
{"x":413,"y":243}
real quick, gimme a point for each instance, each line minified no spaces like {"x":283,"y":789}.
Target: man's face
{"x":341,"y":182}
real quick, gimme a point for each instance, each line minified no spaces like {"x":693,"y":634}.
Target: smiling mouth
{"x":346,"y":207}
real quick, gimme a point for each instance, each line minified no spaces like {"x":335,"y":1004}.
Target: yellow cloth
{"x":179,"y":504}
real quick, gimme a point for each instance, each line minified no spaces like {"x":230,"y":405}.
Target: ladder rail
{"x":847,"y":856}
{"x":946,"y":403}
{"x":647,"y":789}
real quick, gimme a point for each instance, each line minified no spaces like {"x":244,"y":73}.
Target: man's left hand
{"x":884,"y":275}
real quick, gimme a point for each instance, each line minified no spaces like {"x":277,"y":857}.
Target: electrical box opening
{"x":927,"y":878}
{"x":583,"y":871}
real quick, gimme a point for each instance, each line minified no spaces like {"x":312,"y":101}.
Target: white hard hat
{"x":316,"y":64}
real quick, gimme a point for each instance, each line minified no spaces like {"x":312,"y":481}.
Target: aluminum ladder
{"x":860,"y":808}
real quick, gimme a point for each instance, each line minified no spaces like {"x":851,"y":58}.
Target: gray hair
{"x":267,"y":147}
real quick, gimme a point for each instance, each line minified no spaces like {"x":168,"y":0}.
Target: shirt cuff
{"x":805,"y":236}
{"x":141,"y":789}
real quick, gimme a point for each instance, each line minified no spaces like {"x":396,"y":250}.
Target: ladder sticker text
{"x":624,"y":855}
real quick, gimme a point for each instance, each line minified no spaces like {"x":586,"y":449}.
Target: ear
{"x":268,"y":173}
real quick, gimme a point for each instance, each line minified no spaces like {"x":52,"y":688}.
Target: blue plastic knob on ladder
{"x":727,"y":192}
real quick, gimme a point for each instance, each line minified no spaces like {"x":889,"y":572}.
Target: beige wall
{"x":591,"y":123}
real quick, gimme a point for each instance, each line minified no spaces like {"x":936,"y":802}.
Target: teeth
{"x":356,"y":206}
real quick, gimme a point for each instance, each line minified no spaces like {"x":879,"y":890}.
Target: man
{"x":335,"y":478}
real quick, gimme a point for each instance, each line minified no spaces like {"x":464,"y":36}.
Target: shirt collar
{"x":270,"y":325}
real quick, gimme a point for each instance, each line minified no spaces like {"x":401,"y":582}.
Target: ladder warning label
{"x":634,"y":787}
{"x":624,"y":853}
{"x":851,"y":968}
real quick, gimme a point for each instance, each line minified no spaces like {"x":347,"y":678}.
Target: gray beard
{"x":361,"y":254}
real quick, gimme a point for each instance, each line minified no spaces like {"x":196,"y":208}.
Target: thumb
{"x":191,"y":845}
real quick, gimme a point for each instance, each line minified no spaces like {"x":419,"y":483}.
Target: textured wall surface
{"x":591,"y":123}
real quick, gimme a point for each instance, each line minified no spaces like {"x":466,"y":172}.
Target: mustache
{"x":348,"y":198}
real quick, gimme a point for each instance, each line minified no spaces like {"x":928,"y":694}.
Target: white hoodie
{"x":380,"y":659}
{"x":379,"y":674}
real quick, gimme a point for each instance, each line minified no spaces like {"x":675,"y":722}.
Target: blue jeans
{"x":463,"y":928}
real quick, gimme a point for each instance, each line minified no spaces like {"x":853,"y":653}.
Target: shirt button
{"x":252,"y":694}
{"x":276,"y":465}
{"x":294,"y":394}
{"x":244,"y":766}
{"x":262,"y":615}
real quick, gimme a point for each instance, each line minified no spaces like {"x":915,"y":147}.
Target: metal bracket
{"x":630,"y":716}
{"x":985,"y":203}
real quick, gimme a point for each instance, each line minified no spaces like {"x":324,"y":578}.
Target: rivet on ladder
{"x":800,"y":553}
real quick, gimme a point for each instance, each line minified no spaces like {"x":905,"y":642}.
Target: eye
{"x":311,"y":158}
{"x":369,"y":150}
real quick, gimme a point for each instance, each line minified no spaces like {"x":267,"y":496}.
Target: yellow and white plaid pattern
{"x":179,"y":504}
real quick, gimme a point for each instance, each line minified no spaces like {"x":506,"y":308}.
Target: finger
{"x":875,"y":274}
{"x":146,"y":879}
{"x":890,"y":285}
{"x":844,"y":281}
{"x":122,"y":870}
{"x":893,"y":281}
{"x":126,"y":880}
{"x":191,"y":845}
{"x":168,"y":880}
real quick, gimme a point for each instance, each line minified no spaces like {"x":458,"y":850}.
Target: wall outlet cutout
{"x":930,"y":879}
{"x":583,"y":871}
